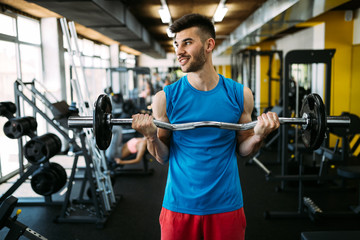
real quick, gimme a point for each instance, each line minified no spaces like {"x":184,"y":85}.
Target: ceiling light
{"x":165,"y":14}
{"x":220,"y":13}
{"x":169,"y":33}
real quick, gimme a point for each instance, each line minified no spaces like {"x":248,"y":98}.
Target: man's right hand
{"x":144,"y":124}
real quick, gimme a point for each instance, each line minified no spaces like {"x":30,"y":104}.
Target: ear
{"x":210,"y":45}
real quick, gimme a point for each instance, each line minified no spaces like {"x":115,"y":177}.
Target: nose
{"x":179,"y":50}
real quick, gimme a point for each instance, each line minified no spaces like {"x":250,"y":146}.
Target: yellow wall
{"x":224,"y":70}
{"x":228,"y":71}
{"x":355,"y":81}
{"x":355,"y":90}
{"x":275,"y":85}
{"x":339,"y":35}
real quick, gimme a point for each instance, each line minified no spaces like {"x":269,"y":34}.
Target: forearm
{"x":158,"y":149}
{"x":249,"y":146}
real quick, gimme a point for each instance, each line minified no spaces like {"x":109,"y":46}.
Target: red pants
{"x":221,"y":226}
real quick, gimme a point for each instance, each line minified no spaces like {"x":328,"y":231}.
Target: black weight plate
{"x":41,"y":148}
{"x":43,"y":181}
{"x":18,"y":127}
{"x":313,"y":136}
{"x":102,"y":129}
{"x":7,"y":108}
{"x":35,"y":152}
{"x":13,"y":130}
{"x":61,"y":175}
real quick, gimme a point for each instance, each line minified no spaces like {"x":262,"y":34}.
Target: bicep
{"x":246,"y":115}
{"x":159,"y":107}
{"x":159,"y":113}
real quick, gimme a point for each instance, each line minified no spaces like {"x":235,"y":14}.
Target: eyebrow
{"x":184,"y":40}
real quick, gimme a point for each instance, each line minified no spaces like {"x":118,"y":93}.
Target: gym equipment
{"x":313,"y":122}
{"x":339,"y":155}
{"x":244,"y":65}
{"x":41,"y":148}
{"x":17,"y":229}
{"x":61,"y":111}
{"x":330,"y":235}
{"x":96,"y":170}
{"x":93,"y":189}
{"x":313,"y":108}
{"x":7,"y":109}
{"x":294,"y":57}
{"x":18,"y":127}
{"x":49,"y":179}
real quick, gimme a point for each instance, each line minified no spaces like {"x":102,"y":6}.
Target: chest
{"x":192,"y":106}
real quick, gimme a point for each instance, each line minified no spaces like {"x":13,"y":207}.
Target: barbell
{"x":313,"y":122}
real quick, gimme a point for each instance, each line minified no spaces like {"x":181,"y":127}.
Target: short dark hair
{"x":194,"y":20}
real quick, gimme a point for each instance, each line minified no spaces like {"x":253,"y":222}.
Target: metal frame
{"x":96,"y":157}
{"x":27,"y":170}
{"x":302,"y":57}
{"x":100,"y":217}
{"x":299,"y":57}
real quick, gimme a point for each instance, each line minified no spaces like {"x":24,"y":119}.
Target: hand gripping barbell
{"x":313,"y":121}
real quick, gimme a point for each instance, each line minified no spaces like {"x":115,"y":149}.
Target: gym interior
{"x":68,"y":66}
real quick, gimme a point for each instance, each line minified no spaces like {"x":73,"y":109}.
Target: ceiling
{"x":146,"y":11}
{"x":137,"y":27}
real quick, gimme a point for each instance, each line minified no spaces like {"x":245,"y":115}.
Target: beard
{"x":197,"y":63}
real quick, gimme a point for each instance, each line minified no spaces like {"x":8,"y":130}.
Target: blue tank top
{"x":203,"y":174}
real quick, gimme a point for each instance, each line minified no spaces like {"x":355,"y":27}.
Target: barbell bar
{"x":87,"y":122}
{"x":313,"y":122}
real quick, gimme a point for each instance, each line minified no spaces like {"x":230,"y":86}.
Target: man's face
{"x":189,"y":50}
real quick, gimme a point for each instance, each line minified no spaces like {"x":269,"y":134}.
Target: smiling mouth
{"x":183,"y":60}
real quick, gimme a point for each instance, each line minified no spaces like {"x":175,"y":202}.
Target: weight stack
{"x":41,"y":148}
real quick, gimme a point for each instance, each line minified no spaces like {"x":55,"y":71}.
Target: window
{"x":95,"y":59}
{"x":29,"y":30}
{"x":7,"y":25}
{"x":20,"y":57}
{"x":31,"y":62}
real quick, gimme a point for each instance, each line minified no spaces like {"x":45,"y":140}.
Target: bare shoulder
{"x":159,"y":106}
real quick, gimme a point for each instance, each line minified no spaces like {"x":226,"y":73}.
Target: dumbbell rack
{"x":38,"y":167}
{"x":81,"y":151}
{"x":24,"y":175}
{"x":19,"y":88}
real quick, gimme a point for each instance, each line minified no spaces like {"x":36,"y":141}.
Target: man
{"x":203,"y":198}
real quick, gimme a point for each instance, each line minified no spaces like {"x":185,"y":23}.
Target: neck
{"x":205,"y":79}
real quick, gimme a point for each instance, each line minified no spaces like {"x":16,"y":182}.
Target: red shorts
{"x":221,"y":226}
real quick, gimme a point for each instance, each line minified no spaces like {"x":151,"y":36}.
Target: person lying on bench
{"x":134,"y":145}
{"x":119,"y":151}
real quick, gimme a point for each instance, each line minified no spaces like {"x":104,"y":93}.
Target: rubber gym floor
{"x":136,"y":214}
